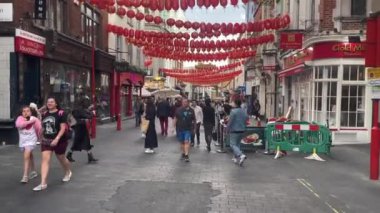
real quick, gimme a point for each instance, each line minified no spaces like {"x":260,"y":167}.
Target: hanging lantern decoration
{"x":187,"y":25}
{"x":170,"y":22}
{"x":207,"y":3}
{"x":102,"y":5}
{"x":128,"y":3}
{"x":209,"y":27}
{"x":200,"y":3}
{"x":245,"y":1}
{"x":184,"y":4}
{"x":179,"y":23}
{"x":216,"y":26}
{"x":157,"y":20}
{"x":94,"y":2}
{"x":175,"y":4}
{"x":131,"y":14}
{"x":109,"y":28}
{"x":161,"y":5}
{"x":136,"y":3}
{"x":153,"y":5}
{"x":140,"y":16}
{"x":110,"y":2}
{"x":194,"y":35}
{"x":119,"y":2}
{"x":168,"y":5}
{"x":214,"y":3}
{"x":111,"y":9}
{"x":191,"y":3}
{"x":121,"y":11}
{"x":234,"y":3}
{"x":195,"y":25}
{"x":149,"y":18}
{"x":202,"y":27}
{"x":145,"y":3}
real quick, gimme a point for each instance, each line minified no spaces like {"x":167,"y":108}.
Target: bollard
{"x":374,"y":159}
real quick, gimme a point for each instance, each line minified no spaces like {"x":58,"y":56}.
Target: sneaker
{"x":67,"y":177}
{"x":151,"y":151}
{"x":24,"y":179}
{"x":208,"y":148}
{"x":40,"y":188}
{"x":33,"y":174}
{"x":192,"y":144}
{"x":242,"y":159}
{"x":182,"y":156}
{"x":187,"y":159}
{"x":235,"y":160}
{"x":147,"y":151}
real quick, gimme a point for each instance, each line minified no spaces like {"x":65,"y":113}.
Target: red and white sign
{"x":269,"y":62}
{"x":297,"y":127}
{"x":339,"y":50}
{"x":29,"y":43}
{"x":291,"y":41}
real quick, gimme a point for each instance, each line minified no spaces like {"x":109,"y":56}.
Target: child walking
{"x":29,"y":128}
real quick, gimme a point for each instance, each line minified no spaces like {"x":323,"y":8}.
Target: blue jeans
{"x":235,"y":139}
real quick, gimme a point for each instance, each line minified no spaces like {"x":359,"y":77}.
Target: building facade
{"x":54,"y":56}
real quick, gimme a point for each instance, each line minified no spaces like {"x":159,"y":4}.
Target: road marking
{"x":309,"y":187}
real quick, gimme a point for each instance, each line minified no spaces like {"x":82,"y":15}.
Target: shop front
{"x":326,"y":83}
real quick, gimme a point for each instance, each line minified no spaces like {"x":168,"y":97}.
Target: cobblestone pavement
{"x":127,"y":180}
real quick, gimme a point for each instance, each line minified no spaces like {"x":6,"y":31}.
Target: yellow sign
{"x":373,"y":73}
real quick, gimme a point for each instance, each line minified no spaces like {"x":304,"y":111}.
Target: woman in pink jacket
{"x":29,"y":128}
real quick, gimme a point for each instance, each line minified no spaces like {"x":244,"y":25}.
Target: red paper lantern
{"x":202,"y":35}
{"x":126,"y":32}
{"x":186,"y":36}
{"x":217,"y":33}
{"x":121,"y":11}
{"x":136,"y":3}
{"x":194,"y":35}
{"x":131,"y":14}
{"x":230,"y":28}
{"x":200,"y":3}
{"x":234,"y":2}
{"x":243,"y":27}
{"x":94,"y":2}
{"x":216,"y":26}
{"x":161,"y":5}
{"x":168,"y":5}
{"x":286,"y":20}
{"x":120,"y":2}
{"x":170,"y":22}
{"x":120,"y":31}
{"x":175,"y":4}
{"x":207,"y":3}
{"x":214,"y":3}
{"x":153,"y":5}
{"x":102,"y":5}
{"x":250,"y":27}
{"x":223,"y":3}
{"x":179,"y":23}
{"x":209,"y":35}
{"x":157,"y":20}
{"x":245,"y":1}
{"x":111,"y":9}
{"x":236,"y":28}
{"x":128,"y":3}
{"x":268,"y":24}
{"x":131,"y":33}
{"x":140,"y":16}
{"x":195,"y":25}
{"x":145,"y":3}
{"x":149,"y":18}
{"x":191,"y":3}
{"x":109,"y":28}
{"x":203,"y":27}
{"x":209,"y":27}
{"x":184,"y":4}
{"x":110,"y":2}
{"x":187,"y":25}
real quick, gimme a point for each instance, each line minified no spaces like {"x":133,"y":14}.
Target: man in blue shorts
{"x":185,"y":123}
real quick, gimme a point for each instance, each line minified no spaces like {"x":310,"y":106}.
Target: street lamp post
{"x":93,"y":95}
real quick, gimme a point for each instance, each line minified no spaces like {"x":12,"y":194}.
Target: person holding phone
{"x":54,"y":127}
{"x":29,"y":128}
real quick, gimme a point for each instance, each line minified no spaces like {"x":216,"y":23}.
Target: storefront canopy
{"x":164,"y":93}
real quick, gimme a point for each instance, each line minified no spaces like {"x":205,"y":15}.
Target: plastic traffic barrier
{"x":299,"y":137}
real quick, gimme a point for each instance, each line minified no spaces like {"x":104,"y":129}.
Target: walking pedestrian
{"x":82,"y":116}
{"x":151,"y":135}
{"x":29,"y":129}
{"x":138,"y":109}
{"x":54,"y":127}
{"x":184,"y":122}
{"x":163,"y":112}
{"x":208,"y":122}
{"x":199,"y":119}
{"x":235,"y":127}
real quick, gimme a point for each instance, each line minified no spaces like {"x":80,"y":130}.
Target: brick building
{"x":53,"y":56}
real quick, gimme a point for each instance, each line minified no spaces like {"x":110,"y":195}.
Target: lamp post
{"x":93,"y":95}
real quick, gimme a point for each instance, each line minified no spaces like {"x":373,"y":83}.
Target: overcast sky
{"x":217,"y":15}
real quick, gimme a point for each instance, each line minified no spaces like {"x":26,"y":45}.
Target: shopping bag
{"x":214,"y":135}
{"x":144,"y":125}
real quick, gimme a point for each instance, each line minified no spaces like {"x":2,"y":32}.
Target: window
{"x":49,"y":21}
{"x":352,"y":109}
{"x":90,"y":20}
{"x":358,"y":7}
{"x":353,"y":73}
{"x":60,"y":15}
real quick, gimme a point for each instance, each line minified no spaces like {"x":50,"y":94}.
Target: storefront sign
{"x":373,"y":75}
{"x":6,"y":12}
{"x":40,"y":9}
{"x":29,"y":43}
{"x":291,"y":41}
{"x":338,"y":50}
{"x":298,"y":58}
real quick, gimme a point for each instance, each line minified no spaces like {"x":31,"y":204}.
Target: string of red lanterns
{"x":211,"y":79}
{"x":203,"y":70}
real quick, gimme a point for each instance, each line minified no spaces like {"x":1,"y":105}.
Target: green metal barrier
{"x":299,"y":137}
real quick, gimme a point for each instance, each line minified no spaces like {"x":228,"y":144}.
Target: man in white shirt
{"x":199,"y":119}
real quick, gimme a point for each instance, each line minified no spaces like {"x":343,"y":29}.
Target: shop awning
{"x":291,"y":71}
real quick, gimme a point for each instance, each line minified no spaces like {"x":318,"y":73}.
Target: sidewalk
{"x":127,"y":180}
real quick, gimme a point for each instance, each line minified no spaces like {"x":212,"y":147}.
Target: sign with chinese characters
{"x":40,"y":9}
{"x":6,"y":12}
{"x":29,"y":43}
{"x":291,"y":41}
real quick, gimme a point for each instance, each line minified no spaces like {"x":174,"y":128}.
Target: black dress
{"x":81,"y":137}
{"x":151,"y":135}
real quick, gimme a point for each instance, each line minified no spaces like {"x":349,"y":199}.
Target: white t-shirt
{"x":28,"y":136}
{"x":198,"y":114}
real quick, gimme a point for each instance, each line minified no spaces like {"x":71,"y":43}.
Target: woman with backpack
{"x":54,"y":139}
{"x":81,"y":135}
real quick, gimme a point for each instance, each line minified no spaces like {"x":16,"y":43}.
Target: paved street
{"x":127,"y":180}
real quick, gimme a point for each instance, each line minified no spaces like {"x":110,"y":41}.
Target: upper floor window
{"x":90,"y":21}
{"x":358,"y":7}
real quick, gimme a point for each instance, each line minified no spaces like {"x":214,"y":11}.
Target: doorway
{"x":29,"y":78}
